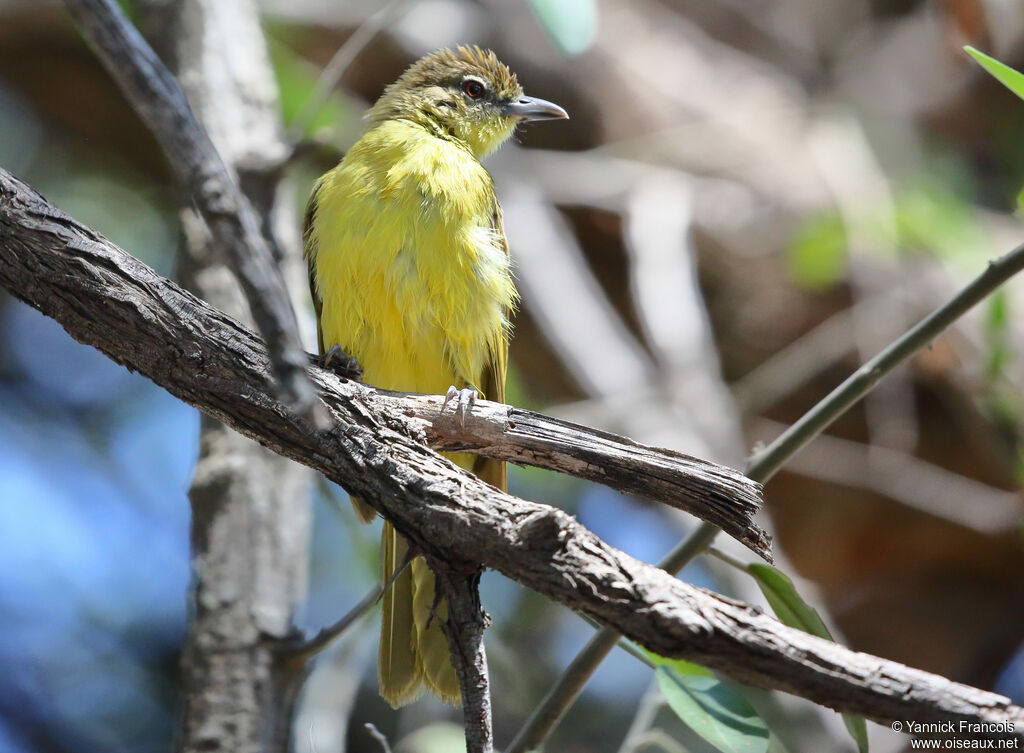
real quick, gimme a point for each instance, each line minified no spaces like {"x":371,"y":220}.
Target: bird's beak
{"x":531,"y":108}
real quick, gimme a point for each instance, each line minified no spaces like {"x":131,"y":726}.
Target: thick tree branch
{"x":709,"y":491}
{"x":202,"y":175}
{"x":110,"y":300}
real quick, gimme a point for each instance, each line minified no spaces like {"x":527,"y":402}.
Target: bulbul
{"x":409,"y":271}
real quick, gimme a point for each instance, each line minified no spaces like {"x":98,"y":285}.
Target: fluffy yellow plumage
{"x":412,"y":268}
{"x":410,"y":274}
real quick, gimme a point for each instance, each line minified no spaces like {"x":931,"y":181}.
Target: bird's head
{"x":465,"y":93}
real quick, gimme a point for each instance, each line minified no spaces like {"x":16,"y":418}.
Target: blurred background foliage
{"x":750,"y":198}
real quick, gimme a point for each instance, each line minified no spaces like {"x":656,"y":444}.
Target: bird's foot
{"x":464,"y":399}
{"x":341,"y":363}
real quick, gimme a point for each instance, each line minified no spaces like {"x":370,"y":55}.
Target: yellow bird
{"x":409,"y":271}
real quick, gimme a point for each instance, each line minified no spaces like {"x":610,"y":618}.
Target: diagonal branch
{"x":107,"y":299}
{"x":712,"y":492}
{"x":300,"y":649}
{"x":764,"y":464}
{"x":201,"y":173}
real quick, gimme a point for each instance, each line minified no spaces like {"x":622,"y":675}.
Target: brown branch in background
{"x":109,"y":300}
{"x":799,"y":362}
{"x":201,"y":173}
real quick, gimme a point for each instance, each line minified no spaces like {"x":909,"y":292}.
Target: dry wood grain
{"x":712,"y":492}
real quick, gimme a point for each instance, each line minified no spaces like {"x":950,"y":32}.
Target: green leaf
{"x":998,"y":337}
{"x":571,"y":24}
{"x":1008,"y":77}
{"x":782,"y":597}
{"x":296,"y":79}
{"x":817,"y":253}
{"x":680,"y":666}
{"x":858,"y":730}
{"x":1004,"y":74}
{"x":792,"y":610}
{"x":715,"y":712}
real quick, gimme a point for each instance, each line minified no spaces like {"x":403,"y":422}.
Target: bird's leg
{"x":464,"y":399}
{"x":341,"y":363}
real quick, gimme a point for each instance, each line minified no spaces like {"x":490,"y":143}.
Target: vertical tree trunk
{"x":250,"y":508}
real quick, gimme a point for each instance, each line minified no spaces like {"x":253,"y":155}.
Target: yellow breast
{"x":415,"y":283}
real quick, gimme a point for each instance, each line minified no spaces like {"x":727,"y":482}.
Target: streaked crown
{"x":463,"y":94}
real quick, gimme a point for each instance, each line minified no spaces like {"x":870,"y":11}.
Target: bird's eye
{"x":473,"y":88}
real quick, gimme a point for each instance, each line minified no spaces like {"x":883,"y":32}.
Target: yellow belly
{"x":413,"y":281}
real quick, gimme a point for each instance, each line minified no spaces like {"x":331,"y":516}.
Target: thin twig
{"x":307,"y":649}
{"x":377,"y":735}
{"x":336,"y":67}
{"x":625,"y":644}
{"x":465,"y":632}
{"x":762,"y":466}
{"x":727,"y":558}
{"x":765,"y":463}
{"x":201,"y":173}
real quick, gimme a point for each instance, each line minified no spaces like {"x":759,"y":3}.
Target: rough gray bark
{"x":236,"y":695}
{"x":107,"y":299}
{"x":709,"y":491}
{"x":161,"y":104}
{"x":464,"y":630}
{"x":251,"y":511}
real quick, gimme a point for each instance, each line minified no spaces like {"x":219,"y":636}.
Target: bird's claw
{"x":464,"y":399}
{"x":341,"y":363}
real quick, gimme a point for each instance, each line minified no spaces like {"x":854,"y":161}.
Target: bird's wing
{"x":309,"y":251}
{"x":492,"y":381}
{"x":364,"y":512}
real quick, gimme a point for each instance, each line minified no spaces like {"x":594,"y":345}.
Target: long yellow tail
{"x":413,"y":648}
